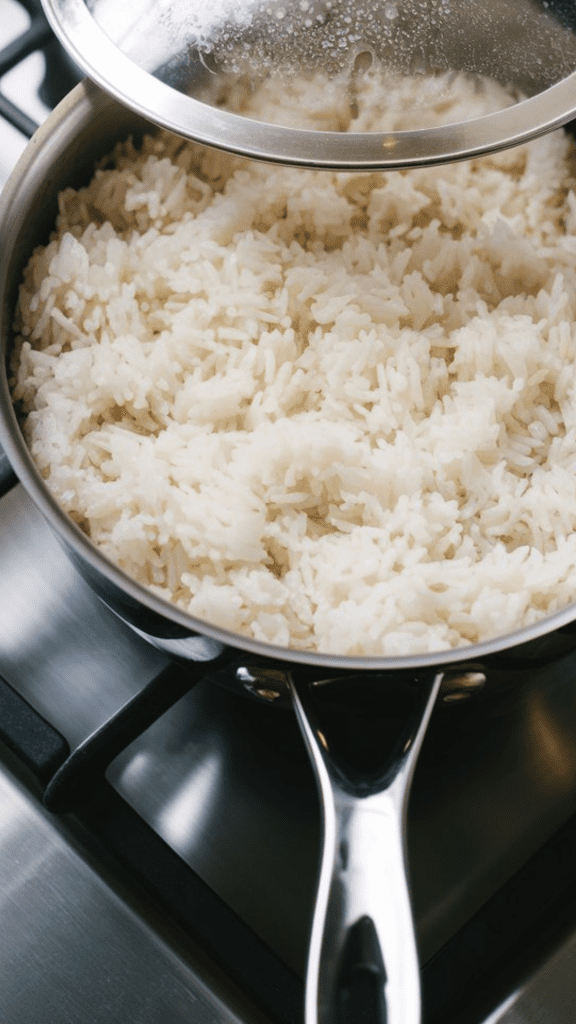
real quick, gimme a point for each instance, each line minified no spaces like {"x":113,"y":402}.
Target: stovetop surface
{"x":77,"y":949}
{"x":224,"y":785}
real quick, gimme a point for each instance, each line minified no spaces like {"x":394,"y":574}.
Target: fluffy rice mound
{"x":329,"y":411}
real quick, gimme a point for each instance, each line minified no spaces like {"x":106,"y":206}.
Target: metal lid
{"x":183,"y":63}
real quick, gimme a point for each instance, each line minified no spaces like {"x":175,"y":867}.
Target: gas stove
{"x":159,"y":845}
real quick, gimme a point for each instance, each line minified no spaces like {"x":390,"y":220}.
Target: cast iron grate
{"x":59,"y":75}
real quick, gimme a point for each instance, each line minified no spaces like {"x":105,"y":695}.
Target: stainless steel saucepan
{"x":363,"y":719}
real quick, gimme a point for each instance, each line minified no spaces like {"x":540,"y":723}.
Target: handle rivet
{"x":266,"y":694}
{"x":263,"y":681}
{"x":459,"y":686}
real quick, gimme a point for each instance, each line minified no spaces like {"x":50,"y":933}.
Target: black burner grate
{"x":60,"y":74}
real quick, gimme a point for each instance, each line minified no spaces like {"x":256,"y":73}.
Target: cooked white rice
{"x":330,"y":411}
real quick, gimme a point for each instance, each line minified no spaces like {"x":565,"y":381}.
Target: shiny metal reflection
{"x":362,"y":877}
{"x":188,"y":809}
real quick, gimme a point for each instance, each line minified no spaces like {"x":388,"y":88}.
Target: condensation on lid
{"x":181,"y":63}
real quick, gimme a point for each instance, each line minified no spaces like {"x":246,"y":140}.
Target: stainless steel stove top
{"x":217,"y":798}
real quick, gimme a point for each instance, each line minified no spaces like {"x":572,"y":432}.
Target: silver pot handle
{"x":363,"y":962}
